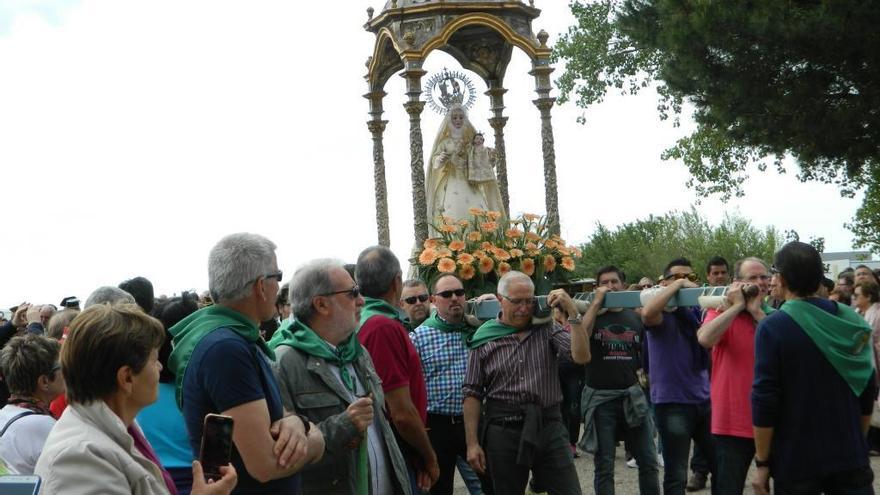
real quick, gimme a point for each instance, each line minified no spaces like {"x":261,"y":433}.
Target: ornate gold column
{"x":377,"y":127}
{"x":414,"y":106}
{"x":541,"y":70}
{"x":498,"y":121}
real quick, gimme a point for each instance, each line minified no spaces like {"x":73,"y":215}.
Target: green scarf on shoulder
{"x":434,"y":321}
{"x":189,"y":331}
{"x":373,"y":307}
{"x":489,"y":331}
{"x":844,"y":339}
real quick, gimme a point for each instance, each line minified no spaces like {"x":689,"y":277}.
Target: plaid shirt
{"x":444,"y":360}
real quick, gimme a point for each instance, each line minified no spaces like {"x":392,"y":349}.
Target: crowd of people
{"x":349,"y":379}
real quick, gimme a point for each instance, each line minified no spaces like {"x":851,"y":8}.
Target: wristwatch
{"x":761,"y":464}
{"x":575,"y":320}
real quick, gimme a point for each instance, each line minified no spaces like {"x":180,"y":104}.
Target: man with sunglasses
{"x":678,"y":370}
{"x":441,"y":343}
{"x":414,"y":302}
{"x":382,"y":332}
{"x":731,"y":336}
{"x":513,"y":368}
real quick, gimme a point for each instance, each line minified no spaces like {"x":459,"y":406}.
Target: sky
{"x":134,"y":135}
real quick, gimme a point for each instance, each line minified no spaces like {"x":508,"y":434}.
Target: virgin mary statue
{"x":450,"y":192}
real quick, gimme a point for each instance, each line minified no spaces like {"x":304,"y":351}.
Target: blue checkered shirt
{"x":444,"y":360}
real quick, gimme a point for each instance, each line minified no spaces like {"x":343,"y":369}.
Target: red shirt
{"x":395,"y":359}
{"x":733,"y":370}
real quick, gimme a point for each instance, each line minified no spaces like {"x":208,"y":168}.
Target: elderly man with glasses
{"x":513,"y":367}
{"x":678,"y":369}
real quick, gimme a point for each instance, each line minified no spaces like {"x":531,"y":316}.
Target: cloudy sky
{"x":134,"y":135}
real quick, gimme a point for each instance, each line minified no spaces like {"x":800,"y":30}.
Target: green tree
{"x":642,"y":248}
{"x":765,"y":80}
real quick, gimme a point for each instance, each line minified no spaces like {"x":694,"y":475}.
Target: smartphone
{"x":16,"y":484}
{"x":216,"y":449}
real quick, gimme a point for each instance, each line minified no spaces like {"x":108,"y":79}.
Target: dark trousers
{"x":856,"y":482}
{"x":699,"y":462}
{"x":571,"y":378}
{"x":678,"y":424}
{"x":447,"y":438}
{"x":733,"y":457}
{"x":553,"y":467}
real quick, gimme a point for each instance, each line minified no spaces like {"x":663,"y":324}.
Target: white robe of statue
{"x":449,"y":190}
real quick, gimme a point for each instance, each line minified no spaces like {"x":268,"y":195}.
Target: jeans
{"x":609,"y":418}
{"x":471,"y":480}
{"x":677,"y":425}
{"x":855,"y":482}
{"x":733,"y":457}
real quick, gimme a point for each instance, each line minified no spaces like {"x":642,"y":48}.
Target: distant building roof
{"x":847,"y":255}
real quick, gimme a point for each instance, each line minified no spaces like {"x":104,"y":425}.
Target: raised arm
{"x":652,"y":313}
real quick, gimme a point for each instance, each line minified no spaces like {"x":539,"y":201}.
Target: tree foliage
{"x":642,"y":248}
{"x":765,"y":80}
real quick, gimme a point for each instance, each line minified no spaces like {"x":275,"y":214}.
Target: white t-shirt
{"x":21,"y":445}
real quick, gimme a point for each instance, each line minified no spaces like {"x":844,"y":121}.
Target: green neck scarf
{"x":844,"y":339}
{"x":373,"y":307}
{"x":191,"y":330}
{"x":299,"y":336}
{"x":434,"y":321}
{"x":489,"y":331}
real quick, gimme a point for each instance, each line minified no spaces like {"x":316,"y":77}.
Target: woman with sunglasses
{"x":30,"y":368}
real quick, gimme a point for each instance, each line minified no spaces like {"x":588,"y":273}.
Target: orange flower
{"x":463,"y":223}
{"x":527,"y":266}
{"x":448,"y":220}
{"x":444,"y":253}
{"x":428,"y":257}
{"x":465,"y":258}
{"x":446,"y":265}
{"x":516,"y":253}
{"x":514,"y":233}
{"x":449,"y":229}
{"x":531,"y":246}
{"x":479,"y":253}
{"x":486,"y":246}
{"x":467,"y":272}
{"x":456,"y":245}
{"x":531,"y":236}
{"x":503,"y":268}
{"x":486,"y":264}
{"x":477,"y":212}
{"x":576,"y":252}
{"x":564,"y":251}
{"x":488,"y":226}
{"x":474,"y":236}
{"x":550,"y":244}
{"x":531,"y":216}
{"x":549,"y":263}
{"x":568,"y":263}
{"x":493,"y":215}
{"x":510,"y":244}
{"x":431,"y":243}
{"x":500,"y":254}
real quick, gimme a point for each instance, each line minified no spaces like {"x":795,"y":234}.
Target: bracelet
{"x":761,"y":464}
{"x":306,"y":423}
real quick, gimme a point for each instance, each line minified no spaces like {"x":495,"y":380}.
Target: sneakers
{"x":632,"y":464}
{"x":696,"y":482}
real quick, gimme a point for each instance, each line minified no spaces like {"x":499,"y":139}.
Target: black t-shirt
{"x":615,"y":346}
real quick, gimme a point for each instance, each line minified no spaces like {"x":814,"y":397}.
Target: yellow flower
{"x":465,"y":258}
{"x":516,"y":253}
{"x":428,"y":257}
{"x":474,"y":236}
{"x":493,"y":215}
{"x":549,"y":263}
{"x":431,"y":243}
{"x":568,"y":263}
{"x":503,"y":268}
{"x":477,"y":212}
{"x":527,"y":266}
{"x":486,"y":264}
{"x":479,"y":253}
{"x":514,"y":233}
{"x":488,"y":226}
{"x":500,"y":254}
{"x":456,"y":245}
{"x":467,"y":272}
{"x":531,"y":216}
{"x":531,"y":236}
{"x":449,"y":229}
{"x":446,"y":265}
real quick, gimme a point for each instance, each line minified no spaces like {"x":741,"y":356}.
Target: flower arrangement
{"x":486,"y":246}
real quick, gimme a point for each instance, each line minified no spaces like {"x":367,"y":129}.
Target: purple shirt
{"x":677,"y":367}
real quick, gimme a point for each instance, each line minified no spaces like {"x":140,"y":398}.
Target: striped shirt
{"x":444,"y":358}
{"x":519,"y":371}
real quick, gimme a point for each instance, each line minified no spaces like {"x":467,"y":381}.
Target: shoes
{"x":632,"y":463}
{"x":660,"y":461}
{"x":696,"y":482}
{"x":574,"y":451}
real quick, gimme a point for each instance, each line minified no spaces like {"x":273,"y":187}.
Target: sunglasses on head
{"x":446,"y":294}
{"x":413,"y":299}
{"x":353,"y":292}
{"x":678,"y":276}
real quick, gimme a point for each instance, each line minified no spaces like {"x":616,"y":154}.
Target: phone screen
{"x":13,"y":484}
{"x":216,"y":444}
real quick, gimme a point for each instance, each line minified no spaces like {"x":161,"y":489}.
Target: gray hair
{"x":310,"y":281}
{"x":236,"y":262}
{"x":376,"y":269}
{"x":512,"y":277}
{"x":108,"y":295}
{"x":738,"y":265}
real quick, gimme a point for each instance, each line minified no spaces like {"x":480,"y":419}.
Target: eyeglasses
{"x":527,"y":301}
{"x":279,"y":276}
{"x":353,"y":292}
{"x":678,"y":276}
{"x":762,"y":278}
{"x":774,"y":270}
{"x":446,"y":294}
{"x":413,"y":299}
{"x":55,"y":369}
